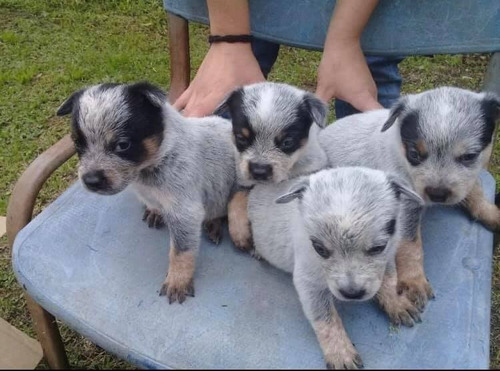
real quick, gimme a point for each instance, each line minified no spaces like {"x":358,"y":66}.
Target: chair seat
{"x":93,"y":263}
{"x":397,"y":27}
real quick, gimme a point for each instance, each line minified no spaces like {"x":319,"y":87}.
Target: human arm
{"x":226,"y":65}
{"x":343,"y":72}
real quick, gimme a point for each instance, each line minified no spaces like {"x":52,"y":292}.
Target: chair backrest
{"x":397,"y":27}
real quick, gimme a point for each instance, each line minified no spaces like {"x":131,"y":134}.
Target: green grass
{"x":50,"y":48}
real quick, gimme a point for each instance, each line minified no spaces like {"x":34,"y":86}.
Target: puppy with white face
{"x":338,"y":244}
{"x":437,"y":141}
{"x":447,"y":140}
{"x":275,"y":131}
{"x":182,"y":169}
{"x":114,"y":142}
{"x":275,"y":128}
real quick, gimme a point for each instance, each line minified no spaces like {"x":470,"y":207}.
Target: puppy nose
{"x":94,"y":180}
{"x":437,"y":194}
{"x":260,"y":171}
{"x":352,"y":293}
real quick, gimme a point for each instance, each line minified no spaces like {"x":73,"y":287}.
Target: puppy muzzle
{"x":438,"y":194}
{"x":260,"y":171}
{"x":96,"y":181}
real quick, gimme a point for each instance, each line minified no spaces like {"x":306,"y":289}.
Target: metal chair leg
{"x":48,"y":334}
{"x":180,"y":66}
{"x":19,"y":213}
{"x":492,"y":83}
{"x":492,"y":76}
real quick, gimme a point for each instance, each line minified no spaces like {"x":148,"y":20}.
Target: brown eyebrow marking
{"x":151,"y":145}
{"x":421,"y":148}
{"x":109,"y":135}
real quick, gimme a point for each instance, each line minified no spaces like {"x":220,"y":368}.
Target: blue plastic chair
{"x":89,"y":260}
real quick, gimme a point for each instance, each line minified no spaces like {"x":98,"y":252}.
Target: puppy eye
{"x":287,"y":143}
{"x":320,"y":249}
{"x":122,"y":145}
{"x":468,"y":158}
{"x":414,"y":156}
{"x":375,"y":250}
{"x":241,"y":140}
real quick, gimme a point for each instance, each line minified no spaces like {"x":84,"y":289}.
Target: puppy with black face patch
{"x":275,"y":128}
{"x":183,"y":169}
{"x":337,"y":232}
{"x":437,"y":141}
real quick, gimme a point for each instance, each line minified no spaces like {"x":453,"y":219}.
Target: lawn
{"x":50,"y":48}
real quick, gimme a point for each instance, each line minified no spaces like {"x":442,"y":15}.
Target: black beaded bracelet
{"x":230,"y":39}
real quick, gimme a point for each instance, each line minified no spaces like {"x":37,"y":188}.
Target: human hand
{"x":344,"y":74}
{"x":225,"y":67}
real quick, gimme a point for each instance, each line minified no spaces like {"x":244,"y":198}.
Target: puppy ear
{"x":232,"y":98}
{"x":67,"y":107}
{"x":491,"y":106}
{"x":152,"y":93}
{"x":401,"y":188}
{"x":294,"y":192}
{"x":396,"y":110}
{"x":223,"y":107}
{"x":317,"y":109}
{"x":490,"y":110}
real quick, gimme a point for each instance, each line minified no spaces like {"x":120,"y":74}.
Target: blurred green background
{"x":49,"y":49}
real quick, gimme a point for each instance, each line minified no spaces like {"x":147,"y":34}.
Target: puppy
{"x":275,"y":128}
{"x":337,"y":243}
{"x":182,"y":169}
{"x":437,"y":141}
{"x":274,"y":132}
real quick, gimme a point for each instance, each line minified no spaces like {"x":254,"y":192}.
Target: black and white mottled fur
{"x":337,"y":232}
{"x":183,"y":169}
{"x":275,"y":129}
{"x":436,"y":141}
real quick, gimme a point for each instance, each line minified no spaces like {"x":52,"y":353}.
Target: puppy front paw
{"x":176,"y":289}
{"x":240,"y":229}
{"x":417,"y":289}
{"x":244,"y":244}
{"x":153,"y":218}
{"x":399,"y":308}
{"x":241,"y":235}
{"x":338,"y":350}
{"x":402,"y":312}
{"x":254,"y":254}
{"x":345,"y":357}
{"x":213,"y":228}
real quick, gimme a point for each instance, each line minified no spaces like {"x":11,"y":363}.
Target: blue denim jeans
{"x":384,"y":70}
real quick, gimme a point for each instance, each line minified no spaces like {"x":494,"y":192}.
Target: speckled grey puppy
{"x":437,"y":141}
{"x":275,"y":128}
{"x":183,"y":169}
{"x":338,"y":242}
